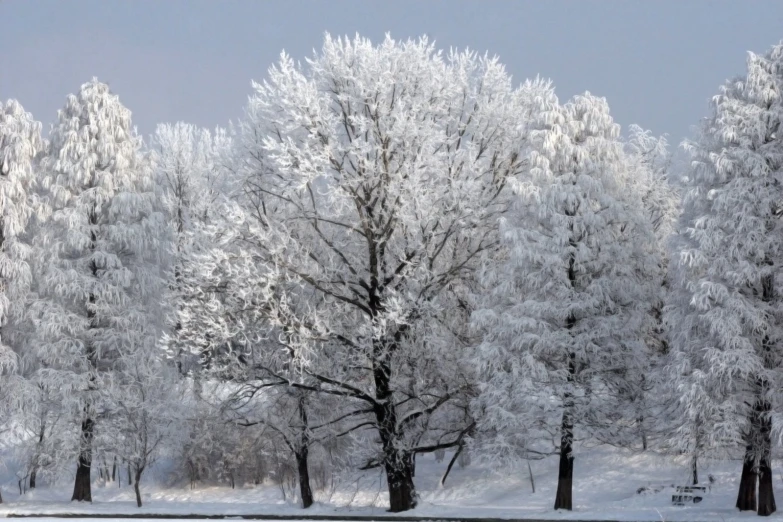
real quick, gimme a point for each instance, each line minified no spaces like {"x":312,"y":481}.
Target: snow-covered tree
{"x":725,"y":315}
{"x":191,"y":165}
{"x":100,"y":281}
{"x":649,"y":172}
{"x":566,"y":306}
{"x":374,"y":178}
{"x":145,"y":406}
{"x":20,"y":147}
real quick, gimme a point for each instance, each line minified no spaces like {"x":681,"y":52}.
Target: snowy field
{"x":605,"y":488}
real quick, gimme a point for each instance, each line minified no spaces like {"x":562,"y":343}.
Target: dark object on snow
{"x":685,"y":494}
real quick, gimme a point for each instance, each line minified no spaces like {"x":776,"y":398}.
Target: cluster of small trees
{"x":394,"y":252}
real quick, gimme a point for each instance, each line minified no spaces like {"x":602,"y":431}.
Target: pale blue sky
{"x":658,"y":62}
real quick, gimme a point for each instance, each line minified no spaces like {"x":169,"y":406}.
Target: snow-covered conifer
{"x":725,"y":314}
{"x":566,"y":307}
{"x":100,"y":281}
{"x":20,"y":146}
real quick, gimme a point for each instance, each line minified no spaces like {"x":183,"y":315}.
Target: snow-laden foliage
{"x":725,"y":316}
{"x":100,"y":260}
{"x":395,"y":251}
{"x":373,"y":179}
{"x":649,"y":172}
{"x":565,"y":313}
{"x":190,"y":167}
{"x":20,"y":146}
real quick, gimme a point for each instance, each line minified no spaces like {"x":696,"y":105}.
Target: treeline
{"x":396,"y":251}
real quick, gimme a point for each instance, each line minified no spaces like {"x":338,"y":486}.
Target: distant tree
{"x":188,"y":165}
{"x":650,"y":169}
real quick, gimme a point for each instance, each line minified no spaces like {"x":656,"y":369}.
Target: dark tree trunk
{"x":397,"y":464}
{"x":114,"y":470}
{"x":565,"y":476}
{"x":766,"y":500}
{"x":130,"y":478}
{"x":746,"y":497}
{"x":81,"y":487}
{"x":40,"y":443}
{"x":399,"y":475}
{"x":766,"y":504}
{"x":640,"y":420}
{"x":451,"y":464}
{"x":136,"y":486}
{"x":302,"y":452}
{"x":304,"y":478}
{"x":694,"y":470}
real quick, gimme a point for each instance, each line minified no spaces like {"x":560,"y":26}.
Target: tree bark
{"x":302,"y":453}
{"x":694,"y":469}
{"x":746,"y":497}
{"x":136,"y":486}
{"x":82,"y":489}
{"x":399,"y":476}
{"x":640,"y":420}
{"x":565,"y":476}
{"x":304,"y":478}
{"x":766,"y":500}
{"x":451,"y":464}
{"x":32,"y":479}
{"x":397,"y":464}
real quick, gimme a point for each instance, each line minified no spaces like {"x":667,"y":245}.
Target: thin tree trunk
{"x":41,"y":435}
{"x":136,"y":486}
{"x":451,"y":464}
{"x":302,"y":452}
{"x":114,"y":469}
{"x":530,"y":472}
{"x":694,"y":469}
{"x":81,"y":488}
{"x":130,"y":477}
{"x":640,"y":421}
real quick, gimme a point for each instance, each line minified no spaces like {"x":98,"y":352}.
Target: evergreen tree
{"x":101,"y":257}
{"x":566,"y":309}
{"x":725,"y":317}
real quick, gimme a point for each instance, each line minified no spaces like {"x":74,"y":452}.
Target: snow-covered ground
{"x":605,"y":488}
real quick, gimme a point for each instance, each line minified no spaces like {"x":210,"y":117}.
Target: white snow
{"x":605,"y":485}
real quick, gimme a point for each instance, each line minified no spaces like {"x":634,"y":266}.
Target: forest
{"x":396,"y":251}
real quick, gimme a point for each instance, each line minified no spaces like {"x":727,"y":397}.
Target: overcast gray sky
{"x":658,"y":62}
